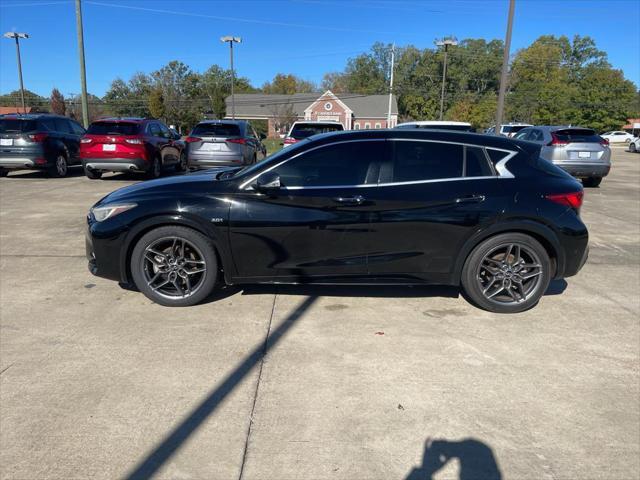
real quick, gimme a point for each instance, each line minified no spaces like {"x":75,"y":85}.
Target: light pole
{"x":231,"y":40}
{"x":505,"y":68}
{"x":17,"y":36}
{"x":440,"y":43}
{"x":83,"y":71}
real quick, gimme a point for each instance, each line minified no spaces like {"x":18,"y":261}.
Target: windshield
{"x":574,"y":135}
{"x":513,"y":128}
{"x":216,"y":130}
{"x":275,"y":157}
{"x":305,"y":130}
{"x":113,"y":128}
{"x":17,"y":125}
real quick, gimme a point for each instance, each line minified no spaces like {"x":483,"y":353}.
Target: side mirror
{"x":268,"y":182}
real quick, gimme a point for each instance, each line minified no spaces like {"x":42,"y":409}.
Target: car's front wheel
{"x":507,"y":273}
{"x":632,"y":147}
{"x":174,"y":266}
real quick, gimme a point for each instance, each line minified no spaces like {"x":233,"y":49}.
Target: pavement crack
{"x":265,"y":346}
{"x":6,"y":368}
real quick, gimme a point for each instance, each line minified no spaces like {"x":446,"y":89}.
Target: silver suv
{"x":214,"y":143}
{"x":579,"y":151}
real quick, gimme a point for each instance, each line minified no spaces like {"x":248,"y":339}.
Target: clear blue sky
{"x":304,"y":37}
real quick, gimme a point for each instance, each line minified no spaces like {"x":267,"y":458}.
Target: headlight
{"x":108,"y":211}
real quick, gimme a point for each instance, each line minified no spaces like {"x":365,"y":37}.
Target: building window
{"x":378,"y":125}
{"x":356,"y":126}
{"x":367,"y":126}
{"x":328,"y":106}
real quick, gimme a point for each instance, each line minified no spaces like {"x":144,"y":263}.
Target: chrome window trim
{"x":503,"y":171}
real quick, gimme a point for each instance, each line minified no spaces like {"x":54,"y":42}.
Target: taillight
{"x":192,"y":139}
{"x":290,"y":140}
{"x":240,"y":141}
{"x":37,"y":137}
{"x":573,"y":199}
{"x":134,"y":141}
{"x":85,"y":140}
{"x":556,"y":141}
{"x":604,"y":142}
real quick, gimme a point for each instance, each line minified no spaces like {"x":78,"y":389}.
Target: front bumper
{"x":103,"y":252}
{"x":585,"y":170}
{"x":115,"y":164}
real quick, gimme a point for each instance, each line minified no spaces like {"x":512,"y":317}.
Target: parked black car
{"x":39,"y":142}
{"x":375,"y":206}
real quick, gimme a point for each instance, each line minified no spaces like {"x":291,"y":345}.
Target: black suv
{"x":39,"y":142}
{"x":398,"y":206}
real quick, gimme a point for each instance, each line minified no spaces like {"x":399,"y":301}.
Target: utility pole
{"x":17,"y":36}
{"x":83,"y":72}
{"x":444,"y":42}
{"x":393,"y":51}
{"x":231,"y":40}
{"x":505,"y":67}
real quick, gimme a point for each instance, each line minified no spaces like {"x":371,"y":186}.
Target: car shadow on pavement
{"x":74,"y":171}
{"x":475,"y":458}
{"x":162,"y":452}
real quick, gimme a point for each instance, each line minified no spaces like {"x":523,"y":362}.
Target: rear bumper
{"x":585,"y":170}
{"x":115,"y":164}
{"x":214,"y":159}
{"x":15,"y":163}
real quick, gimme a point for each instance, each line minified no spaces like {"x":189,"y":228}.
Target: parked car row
{"x":53,"y":143}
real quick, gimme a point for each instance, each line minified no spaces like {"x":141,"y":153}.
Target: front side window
{"x":341,"y":164}
{"x":154,"y":130}
{"x":416,"y":161}
{"x":77,"y":129}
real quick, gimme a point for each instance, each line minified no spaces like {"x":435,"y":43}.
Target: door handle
{"x":355,"y":200}
{"x":471,"y":199}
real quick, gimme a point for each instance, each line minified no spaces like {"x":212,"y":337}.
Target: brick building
{"x":352,"y":110}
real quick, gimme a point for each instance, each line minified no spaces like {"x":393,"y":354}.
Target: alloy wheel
{"x":61,"y":166}
{"x":509,"y":274}
{"x":174,"y":268}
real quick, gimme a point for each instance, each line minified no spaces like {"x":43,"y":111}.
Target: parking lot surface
{"x":312,"y":383}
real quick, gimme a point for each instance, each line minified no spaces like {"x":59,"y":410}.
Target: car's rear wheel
{"x":632,"y":147}
{"x":591,"y":182}
{"x":92,"y":174}
{"x":60,"y":167}
{"x":507,"y":273}
{"x":174,"y":266}
{"x":181,"y":166}
{"x":155,"y":169}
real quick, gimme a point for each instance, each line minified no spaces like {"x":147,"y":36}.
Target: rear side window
{"x":512,"y":128}
{"x":16,"y":125}
{"x":415,"y":161}
{"x":216,"y":130}
{"x":77,"y":129}
{"x":113,"y":128}
{"x":577,"y":135}
{"x":341,"y":164}
{"x":62,"y":125}
{"x":476,"y":164}
{"x":305,"y":130}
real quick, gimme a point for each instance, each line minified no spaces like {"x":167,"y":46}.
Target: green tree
{"x":215,"y":86}
{"x":57,"y":102}
{"x":288,"y":84}
{"x":156,"y":104}
{"x":31,"y":99}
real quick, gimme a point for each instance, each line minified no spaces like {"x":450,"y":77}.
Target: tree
{"x":31,"y":99}
{"x":288,"y":84}
{"x":57,"y":102}
{"x":283,"y":115}
{"x":215,"y":86}
{"x":156,"y":104}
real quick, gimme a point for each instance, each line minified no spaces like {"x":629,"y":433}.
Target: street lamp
{"x":231,"y":40}
{"x":17,"y":36}
{"x":445,"y":42}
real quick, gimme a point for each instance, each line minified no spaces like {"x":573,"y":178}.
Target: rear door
{"x":73,"y":144}
{"x":432,"y":197}
{"x":169,"y":150}
{"x":317,"y":225}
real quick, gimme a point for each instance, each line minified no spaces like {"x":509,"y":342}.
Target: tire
{"x":93,"y":174}
{"x":632,"y":147}
{"x":178,"y":255}
{"x":627,"y":140}
{"x":508,"y":291}
{"x":60,"y":167}
{"x":181,"y":166}
{"x":155,"y":169}
{"x":591,"y":182}
{"x":4,"y":172}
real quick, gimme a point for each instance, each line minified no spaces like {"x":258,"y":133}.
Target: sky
{"x":305,"y":37}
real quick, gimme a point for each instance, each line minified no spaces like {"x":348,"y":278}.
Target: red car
{"x":131,"y":145}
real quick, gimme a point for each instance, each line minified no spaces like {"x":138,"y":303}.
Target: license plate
{"x":6,"y":142}
{"x":108,"y":148}
{"x":584,"y":154}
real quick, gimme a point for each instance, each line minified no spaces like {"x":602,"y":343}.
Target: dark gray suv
{"x":39,"y":142}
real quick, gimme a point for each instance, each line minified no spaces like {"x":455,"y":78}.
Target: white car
{"x":438,"y":125}
{"x":634,"y":144}
{"x":304,"y":129}
{"x":507,"y":129}
{"x":617,"y":136}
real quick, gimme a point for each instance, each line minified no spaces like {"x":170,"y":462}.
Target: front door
{"x":317,"y":224}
